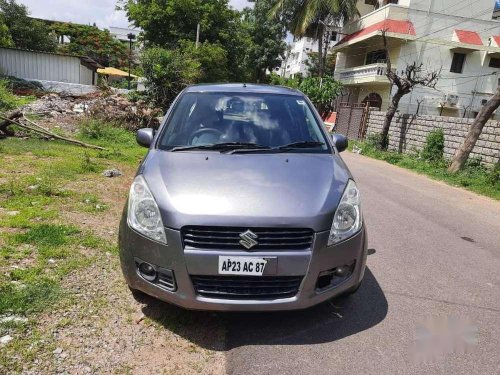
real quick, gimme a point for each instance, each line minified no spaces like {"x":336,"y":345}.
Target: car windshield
{"x":244,"y":122}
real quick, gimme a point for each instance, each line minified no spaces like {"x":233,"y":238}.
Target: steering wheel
{"x":203,"y":131}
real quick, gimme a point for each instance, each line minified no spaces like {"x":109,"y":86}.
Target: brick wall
{"x":408,"y":132}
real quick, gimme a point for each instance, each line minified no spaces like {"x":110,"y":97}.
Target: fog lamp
{"x":147,"y":271}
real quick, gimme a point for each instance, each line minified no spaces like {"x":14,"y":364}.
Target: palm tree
{"x":311,"y":18}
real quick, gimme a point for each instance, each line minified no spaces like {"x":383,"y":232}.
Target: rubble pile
{"x":114,"y":108}
{"x":50,"y":104}
{"x":119,"y":109}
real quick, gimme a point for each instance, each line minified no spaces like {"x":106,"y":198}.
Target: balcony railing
{"x":365,"y":73}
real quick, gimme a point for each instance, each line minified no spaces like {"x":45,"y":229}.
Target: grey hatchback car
{"x":242,"y":204}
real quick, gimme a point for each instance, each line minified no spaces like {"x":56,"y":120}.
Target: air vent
{"x":247,"y":287}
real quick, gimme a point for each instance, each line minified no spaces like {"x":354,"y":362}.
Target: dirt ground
{"x":106,"y":330}
{"x":100,"y":328}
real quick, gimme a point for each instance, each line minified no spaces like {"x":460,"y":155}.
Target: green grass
{"x":473,"y":177}
{"x":10,"y":101}
{"x":39,"y":180}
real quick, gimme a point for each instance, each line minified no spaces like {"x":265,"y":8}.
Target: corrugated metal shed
{"x":35,"y":65}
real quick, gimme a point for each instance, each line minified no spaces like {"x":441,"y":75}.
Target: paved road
{"x":437,"y":257}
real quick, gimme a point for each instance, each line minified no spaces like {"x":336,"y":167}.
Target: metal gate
{"x":351,"y":120}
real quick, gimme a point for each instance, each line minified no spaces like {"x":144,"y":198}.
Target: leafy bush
{"x":374,"y":140}
{"x":474,"y":162}
{"x":167,"y":73}
{"x":321,"y":91}
{"x":434,"y":146}
{"x":293,"y":83}
{"x":494,"y":175}
{"x":8,"y":100}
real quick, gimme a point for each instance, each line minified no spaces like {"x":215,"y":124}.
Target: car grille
{"x":246,"y":287}
{"x":201,"y":237}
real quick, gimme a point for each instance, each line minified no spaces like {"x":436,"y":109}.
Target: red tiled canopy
{"x":390,"y":26}
{"x":468,"y":37}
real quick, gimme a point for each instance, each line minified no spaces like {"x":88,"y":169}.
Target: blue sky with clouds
{"x":102,"y":12}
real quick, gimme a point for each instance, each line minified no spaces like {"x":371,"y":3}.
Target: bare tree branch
{"x":38,"y":129}
{"x":413,"y":75}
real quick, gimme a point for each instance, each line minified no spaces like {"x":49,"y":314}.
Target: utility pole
{"x":197,"y":35}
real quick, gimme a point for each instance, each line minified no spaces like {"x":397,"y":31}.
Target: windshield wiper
{"x":282,"y":148}
{"x":301,"y":144}
{"x":226,"y":146}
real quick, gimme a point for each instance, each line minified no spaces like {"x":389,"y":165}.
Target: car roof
{"x":243,"y":88}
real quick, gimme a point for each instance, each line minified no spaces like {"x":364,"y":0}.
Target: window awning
{"x":495,"y":40}
{"x":467,"y":41}
{"x":391,"y":27}
{"x":495,"y":43}
{"x":467,"y":37}
{"x":110,"y":71}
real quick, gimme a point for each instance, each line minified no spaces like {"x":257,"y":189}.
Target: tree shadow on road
{"x":326,"y":322}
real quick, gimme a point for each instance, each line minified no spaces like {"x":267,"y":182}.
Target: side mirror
{"x":145,"y":137}
{"x":340,"y":141}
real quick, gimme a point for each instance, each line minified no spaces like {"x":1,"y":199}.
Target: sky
{"x":102,"y":12}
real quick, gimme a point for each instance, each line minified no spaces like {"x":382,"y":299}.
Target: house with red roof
{"x":461,"y":39}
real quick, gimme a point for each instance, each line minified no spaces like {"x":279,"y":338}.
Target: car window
{"x":269,"y":120}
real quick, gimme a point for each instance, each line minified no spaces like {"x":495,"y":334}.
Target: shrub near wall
{"x":409,"y":132}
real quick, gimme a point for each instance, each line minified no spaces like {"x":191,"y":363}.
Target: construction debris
{"x":108,"y":107}
{"x":64,"y":111}
{"x":112,"y":173}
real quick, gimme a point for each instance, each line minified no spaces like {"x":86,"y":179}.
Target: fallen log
{"x":12,"y":115}
{"x":41,"y":130}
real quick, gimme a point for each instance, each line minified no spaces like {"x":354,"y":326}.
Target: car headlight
{"x":347,"y":220}
{"x":143,"y":213}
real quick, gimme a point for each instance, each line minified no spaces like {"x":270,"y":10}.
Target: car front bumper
{"x":185,"y":262}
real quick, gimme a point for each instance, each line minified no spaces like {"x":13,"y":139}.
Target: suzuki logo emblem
{"x":248,"y":239}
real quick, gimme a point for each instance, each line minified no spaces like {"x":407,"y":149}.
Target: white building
{"x":459,"y":37}
{"x":295,"y":62}
{"x":121,"y":33}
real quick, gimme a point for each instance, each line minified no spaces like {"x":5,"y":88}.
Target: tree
{"x":475,"y":130}
{"x":167,"y":73}
{"x":211,"y":57}
{"x":312,"y":64}
{"x":267,"y":39}
{"x":413,"y":75}
{"x":90,"y":41}
{"x":321,"y":91}
{"x":26,"y":32}
{"x":5,"y":38}
{"x":314,"y":18}
{"x":167,"y":24}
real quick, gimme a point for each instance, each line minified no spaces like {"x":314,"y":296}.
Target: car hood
{"x":249,"y":190}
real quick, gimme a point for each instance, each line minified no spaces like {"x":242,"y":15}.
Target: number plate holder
{"x":247,"y":266}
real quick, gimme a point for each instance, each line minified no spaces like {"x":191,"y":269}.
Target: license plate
{"x":242,"y":265}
